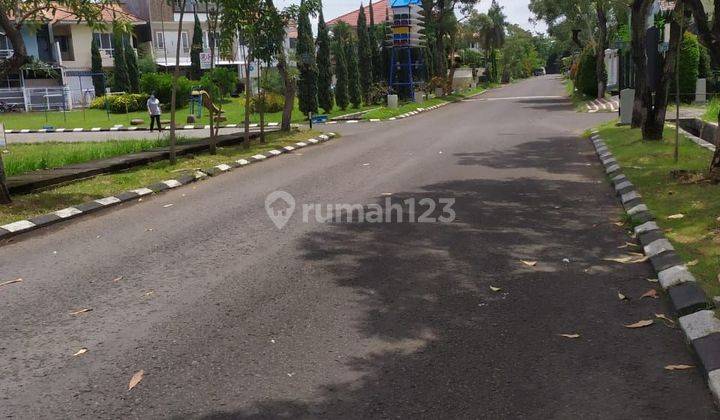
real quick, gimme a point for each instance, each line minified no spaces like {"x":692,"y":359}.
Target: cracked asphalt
{"x":230,"y":317}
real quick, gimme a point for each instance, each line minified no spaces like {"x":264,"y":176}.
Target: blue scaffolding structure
{"x":403,"y":62}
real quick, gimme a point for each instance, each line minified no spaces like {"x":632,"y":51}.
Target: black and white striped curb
{"x":207,"y":127}
{"x":131,"y":128}
{"x":604,"y":105}
{"x":696,"y":317}
{"x":23,"y":226}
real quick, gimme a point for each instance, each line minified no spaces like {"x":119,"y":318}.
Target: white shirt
{"x":153,"y":106}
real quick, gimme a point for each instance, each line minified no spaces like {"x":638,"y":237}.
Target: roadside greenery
{"x":669,"y":189}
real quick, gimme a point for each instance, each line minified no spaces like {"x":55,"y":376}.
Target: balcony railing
{"x":4,"y":54}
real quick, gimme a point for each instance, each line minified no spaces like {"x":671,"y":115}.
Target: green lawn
{"x":649,"y":166}
{"x":29,"y":205}
{"x":20,"y":158}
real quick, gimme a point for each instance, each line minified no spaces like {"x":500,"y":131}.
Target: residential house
{"x":381,"y":13}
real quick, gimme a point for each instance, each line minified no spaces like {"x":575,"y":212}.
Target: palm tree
{"x":495,"y":35}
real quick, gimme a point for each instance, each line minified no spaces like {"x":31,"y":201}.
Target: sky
{"x":515,"y":10}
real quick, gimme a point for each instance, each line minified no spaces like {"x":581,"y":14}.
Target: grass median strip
{"x":29,"y":205}
{"x":671,"y":189}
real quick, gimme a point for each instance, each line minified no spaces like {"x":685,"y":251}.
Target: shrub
{"x":273,"y":103}
{"x":272,"y":81}
{"x":120,"y":104}
{"x":689,"y":68}
{"x":586,"y":77}
{"x":161,"y":84}
{"x":219,"y":82}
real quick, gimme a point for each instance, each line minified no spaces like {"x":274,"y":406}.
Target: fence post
{"x":26,"y":99}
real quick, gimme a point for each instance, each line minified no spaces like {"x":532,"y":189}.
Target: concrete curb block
{"x":23,"y":226}
{"x":696,"y":319}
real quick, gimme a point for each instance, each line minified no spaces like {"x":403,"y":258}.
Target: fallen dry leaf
{"x":136,"y":378}
{"x":81,"y":311}
{"x":678,"y":367}
{"x":653,"y":280}
{"x":83,"y":350}
{"x":117,"y":278}
{"x":570,"y":335}
{"x":495,"y":289}
{"x":640,"y":324}
{"x":676,"y":216}
{"x":652,"y":293}
{"x":529,"y":263}
{"x":168,"y":205}
{"x":5,"y":283}
{"x":665,"y":318}
{"x":691,"y":263}
{"x":621,"y":296}
{"x":627,"y":259}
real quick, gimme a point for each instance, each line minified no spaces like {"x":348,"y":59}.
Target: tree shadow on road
{"x":457,"y":349}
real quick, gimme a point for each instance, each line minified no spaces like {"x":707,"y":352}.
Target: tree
{"x":375,"y":33}
{"x":195,"y":49}
{"x":176,"y":75}
{"x":364,"y":55}
{"x":639,"y":11}
{"x":98,"y":78}
{"x":708,"y":29}
{"x":308,"y":81}
{"x":132,"y":66}
{"x":351,"y":56}
{"x":121,"y":81}
{"x":495,"y":36}
{"x":325,"y":94}
{"x":341,"y":74}
{"x":689,"y":67}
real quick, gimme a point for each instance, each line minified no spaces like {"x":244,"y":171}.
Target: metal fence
{"x":48,"y":98}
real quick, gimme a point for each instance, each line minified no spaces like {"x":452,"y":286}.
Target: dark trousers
{"x":153,"y":120}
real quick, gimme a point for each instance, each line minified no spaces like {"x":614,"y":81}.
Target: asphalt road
{"x":230,"y":317}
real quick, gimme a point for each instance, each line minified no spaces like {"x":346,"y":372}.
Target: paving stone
{"x":159,"y":186}
{"x":708,"y":351}
{"x":674,"y":276}
{"x":699,"y":324}
{"x":642,"y":217}
{"x":665,"y":260}
{"x":637,"y":209}
{"x":619,"y":178}
{"x":127,"y":196}
{"x":632,"y":195}
{"x":646,"y":227}
{"x":714,"y":383}
{"x":611,"y":169}
{"x":646,"y":238}
{"x":687,"y":298}
{"x":658,"y":246}
{"x":89,"y":206}
{"x":45,"y":219}
{"x":188,"y":178}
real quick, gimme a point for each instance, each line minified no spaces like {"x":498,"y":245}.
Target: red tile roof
{"x":380,"y":10}
{"x":58,"y":13}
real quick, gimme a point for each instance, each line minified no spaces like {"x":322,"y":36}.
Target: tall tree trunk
{"x":639,"y":11}
{"x":600,"y":52}
{"x":173,"y":98}
{"x":261,"y":98}
{"x":290,"y":88}
{"x":654,"y":121}
{"x":4,"y":192}
{"x":248,"y":93}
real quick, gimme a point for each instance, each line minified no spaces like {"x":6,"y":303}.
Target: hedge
{"x":586,"y":79}
{"x":120,"y":104}
{"x":161,"y":84}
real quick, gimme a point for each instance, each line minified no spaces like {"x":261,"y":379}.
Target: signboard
{"x":205,"y":61}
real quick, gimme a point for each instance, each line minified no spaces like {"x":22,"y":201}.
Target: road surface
{"x":230,"y":317}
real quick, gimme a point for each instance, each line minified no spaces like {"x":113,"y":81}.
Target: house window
{"x":184,"y":41}
{"x":159,"y":40}
{"x":207,"y":36}
{"x":104,"y":42}
{"x":5,"y":43}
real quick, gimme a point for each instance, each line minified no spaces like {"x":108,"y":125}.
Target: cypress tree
{"x":353,"y":74}
{"x":96,"y":67}
{"x":377,"y":59}
{"x":325,"y":95}
{"x":341,"y":74}
{"x":195,"y":50}
{"x":364,"y":55}
{"x":121,"y":83}
{"x":307,"y":82}
{"x":132,"y":67}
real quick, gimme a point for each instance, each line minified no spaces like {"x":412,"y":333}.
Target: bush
{"x":161,"y":84}
{"x":272,"y":81}
{"x":219,"y":82}
{"x":146,"y":64}
{"x":586,"y":77}
{"x":689,"y":67}
{"x":273,"y":103}
{"x":120,"y":104}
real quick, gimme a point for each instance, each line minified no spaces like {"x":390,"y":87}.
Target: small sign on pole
{"x":3,"y":141}
{"x":205,"y":61}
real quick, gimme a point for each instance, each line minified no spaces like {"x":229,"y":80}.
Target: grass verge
{"x":650,"y":166}
{"x":29,"y":205}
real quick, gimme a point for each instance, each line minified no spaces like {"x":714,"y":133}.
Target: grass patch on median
{"x":34,"y":204}
{"x":26,"y":157}
{"x":650,"y":166}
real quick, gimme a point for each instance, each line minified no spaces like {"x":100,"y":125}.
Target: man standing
{"x":153,"y":107}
